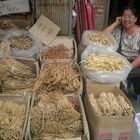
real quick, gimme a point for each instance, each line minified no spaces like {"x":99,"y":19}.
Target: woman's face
{"x":128,"y":19}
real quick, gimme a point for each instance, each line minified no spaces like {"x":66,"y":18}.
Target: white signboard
{"x":45,"y":30}
{"x":14,"y":6}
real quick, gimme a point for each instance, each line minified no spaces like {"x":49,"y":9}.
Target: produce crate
{"x":31,"y":63}
{"x":107,"y":127}
{"x":68,"y":42}
{"x":45,"y":64}
{"x":59,"y":11}
{"x":21,"y":100}
{"x":77,"y":102}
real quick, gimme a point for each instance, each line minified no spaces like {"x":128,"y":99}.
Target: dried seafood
{"x":55,"y":116}
{"x":58,"y":76}
{"x":11,"y":120}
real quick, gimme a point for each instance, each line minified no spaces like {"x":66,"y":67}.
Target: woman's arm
{"x":136,"y":62}
{"x":110,"y":28}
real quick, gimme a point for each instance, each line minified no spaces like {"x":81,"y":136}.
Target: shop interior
{"x":116,"y":7}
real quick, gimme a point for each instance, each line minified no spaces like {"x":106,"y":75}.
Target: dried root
{"x":55,"y":116}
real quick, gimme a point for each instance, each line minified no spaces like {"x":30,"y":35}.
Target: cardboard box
{"x":107,"y":127}
{"x":88,"y":81}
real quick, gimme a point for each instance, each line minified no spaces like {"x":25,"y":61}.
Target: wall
{"x":101,"y":13}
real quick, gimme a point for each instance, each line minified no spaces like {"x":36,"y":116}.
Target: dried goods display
{"x":99,"y":37}
{"x":10,"y":67}
{"x":15,"y":75}
{"x":56,"y":52}
{"x":11,"y":120}
{"x":104,"y":62}
{"x":58,"y":76}
{"x":55,"y":116}
{"x":21,"y":42}
{"x":108,"y":104}
{"x":7,"y":25}
{"x":13,"y":84}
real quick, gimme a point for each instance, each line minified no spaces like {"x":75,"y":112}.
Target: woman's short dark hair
{"x":132,"y":9}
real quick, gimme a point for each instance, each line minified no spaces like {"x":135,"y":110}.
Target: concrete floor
{"x":135,"y":103}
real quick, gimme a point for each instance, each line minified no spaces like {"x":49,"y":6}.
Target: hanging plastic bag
{"x":136,"y":131}
{"x":31,"y":52}
{"x":113,"y":76}
{"x":100,"y":39}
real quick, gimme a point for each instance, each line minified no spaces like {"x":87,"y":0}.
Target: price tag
{"x":45,"y":30}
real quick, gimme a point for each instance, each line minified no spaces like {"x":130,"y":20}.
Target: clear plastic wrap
{"x":31,"y":52}
{"x":100,"y":39}
{"x":104,"y":76}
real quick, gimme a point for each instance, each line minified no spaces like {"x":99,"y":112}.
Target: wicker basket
{"x":79,"y":107}
{"x":45,"y":64}
{"x":68,"y":42}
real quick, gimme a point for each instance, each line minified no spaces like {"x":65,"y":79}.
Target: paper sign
{"x":14,"y":6}
{"x":45,"y":30}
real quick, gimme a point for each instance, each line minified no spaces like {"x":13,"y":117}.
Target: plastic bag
{"x":136,"y":131}
{"x":86,"y":40}
{"x":36,"y":44}
{"x":103,"y":76}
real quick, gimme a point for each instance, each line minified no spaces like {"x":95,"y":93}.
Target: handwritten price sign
{"x":45,"y":30}
{"x":14,"y":6}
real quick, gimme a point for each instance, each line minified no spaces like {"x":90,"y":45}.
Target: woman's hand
{"x":118,"y":20}
{"x":110,"y":28}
